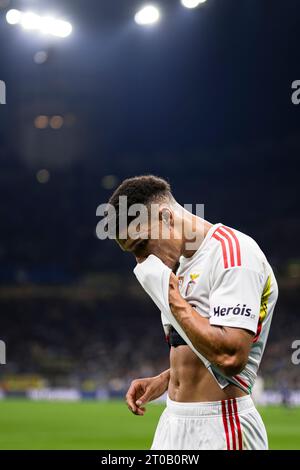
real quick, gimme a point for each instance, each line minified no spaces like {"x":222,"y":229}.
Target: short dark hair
{"x":143,"y":189}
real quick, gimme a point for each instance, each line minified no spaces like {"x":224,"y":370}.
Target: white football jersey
{"x":229,"y":281}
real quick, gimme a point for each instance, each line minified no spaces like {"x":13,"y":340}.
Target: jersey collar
{"x":185,"y":261}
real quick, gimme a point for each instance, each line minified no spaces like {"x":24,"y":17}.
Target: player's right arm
{"x":141,"y":391}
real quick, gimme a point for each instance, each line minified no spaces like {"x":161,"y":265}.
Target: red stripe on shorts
{"x":237,"y":420}
{"x":231,"y":425}
{"x":224,"y":416}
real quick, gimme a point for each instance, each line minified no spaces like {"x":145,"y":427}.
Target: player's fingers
{"x":144,"y":398}
{"x":130,"y":402}
{"x":136,"y":409}
{"x":140,"y":411}
{"x":131,"y":395}
{"x":131,"y":405}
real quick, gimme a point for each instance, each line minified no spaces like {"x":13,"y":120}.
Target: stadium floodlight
{"x":13,"y":16}
{"x":44,"y":24}
{"x":47,"y":25}
{"x":148,"y":15}
{"x":192,"y":3}
{"x":30,"y":20}
{"x":61,"y":28}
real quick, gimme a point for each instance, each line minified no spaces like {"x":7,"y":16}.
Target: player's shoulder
{"x":231,"y":248}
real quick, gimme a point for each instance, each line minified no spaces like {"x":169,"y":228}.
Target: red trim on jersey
{"x":228,"y":238}
{"x":233,"y":250}
{"x":259,"y":327}
{"x":242,"y":382}
{"x":237,"y":243}
{"x":231,"y":425}
{"x":223,"y":249}
{"x":237,"y":420}
{"x":224,"y":416}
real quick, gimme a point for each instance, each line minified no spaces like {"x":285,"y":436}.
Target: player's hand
{"x":174,"y":292}
{"x":141,"y":391}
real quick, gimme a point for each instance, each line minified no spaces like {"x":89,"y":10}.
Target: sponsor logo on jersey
{"x":242,"y":310}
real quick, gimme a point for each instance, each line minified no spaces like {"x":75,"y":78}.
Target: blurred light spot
{"x":109,"y":181}
{"x":45,"y":24}
{"x":192,"y":3}
{"x":56,"y":122}
{"x":13,"y":16}
{"x":61,"y":28}
{"x":43,"y":176}
{"x":40,"y":57}
{"x":294,"y":269}
{"x":41,"y":122}
{"x":30,"y":20}
{"x":147,"y":15}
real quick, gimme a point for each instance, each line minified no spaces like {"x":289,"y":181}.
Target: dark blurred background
{"x":203,"y":98}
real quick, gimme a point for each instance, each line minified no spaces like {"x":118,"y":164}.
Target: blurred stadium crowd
{"x":100,"y":334}
{"x":72,"y":312}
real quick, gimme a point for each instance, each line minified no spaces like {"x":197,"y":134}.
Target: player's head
{"x":158,"y":230}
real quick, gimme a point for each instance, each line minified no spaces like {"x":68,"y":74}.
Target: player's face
{"x":164,"y":245}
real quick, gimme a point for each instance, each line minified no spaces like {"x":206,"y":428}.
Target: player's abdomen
{"x":190,"y":381}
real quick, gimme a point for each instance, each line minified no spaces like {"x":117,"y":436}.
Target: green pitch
{"x":109,"y":425}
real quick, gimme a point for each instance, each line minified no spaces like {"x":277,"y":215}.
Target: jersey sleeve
{"x":235,"y":298}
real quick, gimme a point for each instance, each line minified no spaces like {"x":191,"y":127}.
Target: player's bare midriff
{"x":190,"y":381}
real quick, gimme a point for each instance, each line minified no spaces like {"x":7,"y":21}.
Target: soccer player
{"x":221,"y":295}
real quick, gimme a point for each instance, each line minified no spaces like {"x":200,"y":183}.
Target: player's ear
{"x":166,"y":216}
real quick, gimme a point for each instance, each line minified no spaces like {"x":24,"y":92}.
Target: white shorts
{"x":233,"y":424}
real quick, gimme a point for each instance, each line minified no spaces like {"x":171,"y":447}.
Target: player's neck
{"x":195,"y":230}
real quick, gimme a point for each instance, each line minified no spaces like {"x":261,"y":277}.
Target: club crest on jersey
{"x":180,"y":281}
{"x":191,"y":283}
